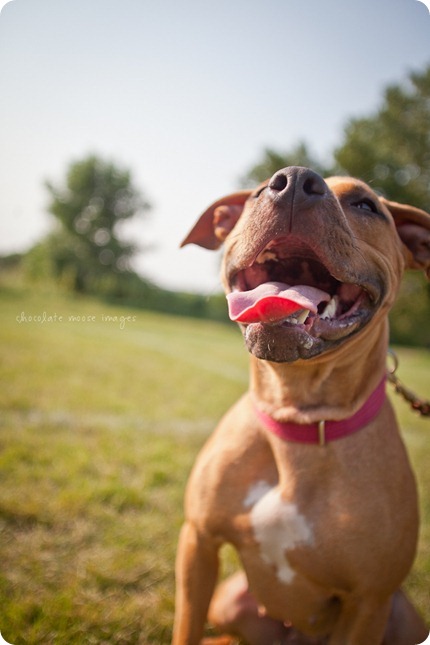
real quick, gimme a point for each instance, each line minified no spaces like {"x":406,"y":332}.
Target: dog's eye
{"x":367,"y":205}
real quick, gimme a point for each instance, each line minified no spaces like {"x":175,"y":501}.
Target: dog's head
{"x":309,"y":262}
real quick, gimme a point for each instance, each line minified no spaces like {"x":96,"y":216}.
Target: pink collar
{"x":325,"y":431}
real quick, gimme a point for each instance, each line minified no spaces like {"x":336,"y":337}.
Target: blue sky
{"x":186,"y":94}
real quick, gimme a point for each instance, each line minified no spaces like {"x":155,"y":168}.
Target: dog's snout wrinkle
{"x":294,"y":189}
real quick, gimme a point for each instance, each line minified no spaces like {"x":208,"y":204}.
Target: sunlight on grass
{"x":100,"y":426}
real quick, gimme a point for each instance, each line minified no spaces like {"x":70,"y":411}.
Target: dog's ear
{"x":413,"y":227}
{"x":217,"y":221}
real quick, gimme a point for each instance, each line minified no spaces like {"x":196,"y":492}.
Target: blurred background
{"x":120,"y":122}
{"x":188,"y":97}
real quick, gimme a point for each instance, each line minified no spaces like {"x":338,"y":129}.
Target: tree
{"x":86,"y":248}
{"x":391,"y":150}
{"x":273,"y":160}
{"x":392,"y":147}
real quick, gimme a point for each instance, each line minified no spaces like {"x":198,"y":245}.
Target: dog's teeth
{"x":330,"y":310}
{"x":301,"y":318}
{"x":265,"y":256}
{"x":298,"y":318}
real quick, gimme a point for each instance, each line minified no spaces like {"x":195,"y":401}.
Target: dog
{"x":306,"y":475}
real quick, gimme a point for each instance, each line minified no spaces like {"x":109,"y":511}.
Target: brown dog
{"x":307,"y":476}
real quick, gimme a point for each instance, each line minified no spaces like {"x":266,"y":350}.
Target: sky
{"x":186,"y":94}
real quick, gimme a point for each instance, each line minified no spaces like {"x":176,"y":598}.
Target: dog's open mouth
{"x":289,"y":286}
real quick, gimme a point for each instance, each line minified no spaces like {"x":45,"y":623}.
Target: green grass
{"x":99,"y":428}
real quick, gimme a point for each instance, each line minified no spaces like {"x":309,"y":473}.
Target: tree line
{"x":86,"y":251}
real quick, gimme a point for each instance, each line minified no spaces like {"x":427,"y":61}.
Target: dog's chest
{"x":277,"y":527}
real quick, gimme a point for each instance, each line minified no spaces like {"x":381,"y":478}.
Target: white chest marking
{"x":278,"y":527}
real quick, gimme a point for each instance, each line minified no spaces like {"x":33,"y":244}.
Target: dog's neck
{"x":308,"y":391}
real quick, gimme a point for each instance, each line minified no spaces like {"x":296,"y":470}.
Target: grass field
{"x":102,"y":414}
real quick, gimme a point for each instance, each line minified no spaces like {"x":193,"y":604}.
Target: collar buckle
{"x":321,"y":433}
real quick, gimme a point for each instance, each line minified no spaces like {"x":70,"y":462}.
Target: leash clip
{"x":393,"y":369}
{"x":419,"y":405}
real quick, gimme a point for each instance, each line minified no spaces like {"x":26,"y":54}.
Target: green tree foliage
{"x":391,"y":148}
{"x":86,"y":250}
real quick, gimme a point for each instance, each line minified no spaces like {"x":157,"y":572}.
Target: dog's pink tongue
{"x":273,"y":301}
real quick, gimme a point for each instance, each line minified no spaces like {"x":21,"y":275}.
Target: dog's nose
{"x":298,"y":184}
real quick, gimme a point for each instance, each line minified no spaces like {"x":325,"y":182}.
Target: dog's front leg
{"x":196,"y":575}
{"x":361,"y":623}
